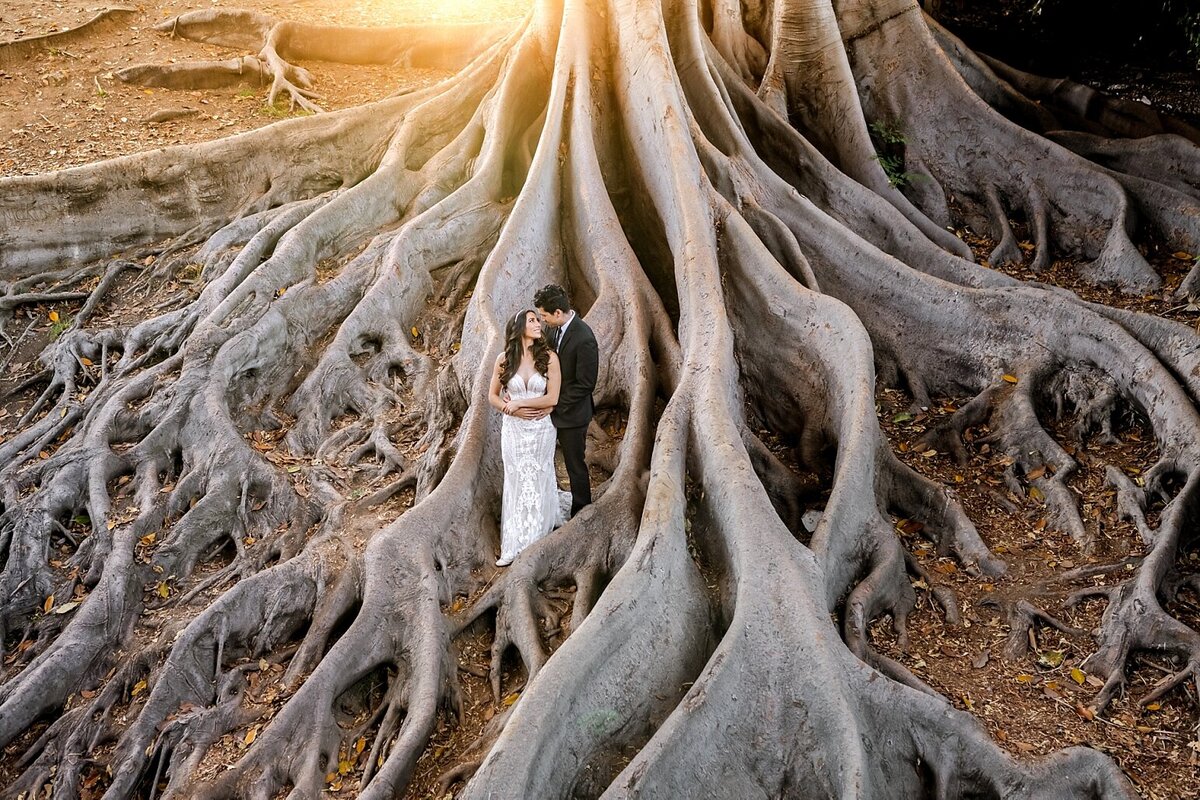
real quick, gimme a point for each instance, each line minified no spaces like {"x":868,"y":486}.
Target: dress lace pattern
{"x":532,"y":504}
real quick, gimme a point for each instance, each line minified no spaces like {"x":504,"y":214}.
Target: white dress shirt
{"x":562,"y":332}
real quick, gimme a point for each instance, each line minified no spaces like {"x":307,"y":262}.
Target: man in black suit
{"x":579,"y":360}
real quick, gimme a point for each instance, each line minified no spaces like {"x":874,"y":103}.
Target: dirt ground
{"x":62,"y":106}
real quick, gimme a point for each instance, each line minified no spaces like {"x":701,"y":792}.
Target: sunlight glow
{"x":408,"y":12}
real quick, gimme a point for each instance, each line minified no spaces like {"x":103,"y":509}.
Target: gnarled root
{"x":282,"y":42}
{"x":232,"y":452}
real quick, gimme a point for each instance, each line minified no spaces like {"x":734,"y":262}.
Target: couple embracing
{"x":543,"y":384}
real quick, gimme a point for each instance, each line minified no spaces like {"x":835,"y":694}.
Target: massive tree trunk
{"x":702,"y":178}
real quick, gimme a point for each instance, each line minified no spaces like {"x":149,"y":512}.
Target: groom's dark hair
{"x":552,"y":297}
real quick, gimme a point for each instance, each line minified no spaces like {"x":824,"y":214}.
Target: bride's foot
{"x":503,"y":562}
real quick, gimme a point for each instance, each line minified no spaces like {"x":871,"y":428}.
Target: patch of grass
{"x":281,"y":110}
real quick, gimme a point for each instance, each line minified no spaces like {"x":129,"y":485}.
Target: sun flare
{"x":393,"y":12}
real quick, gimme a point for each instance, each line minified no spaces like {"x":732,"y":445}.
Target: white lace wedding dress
{"x":532,"y":504}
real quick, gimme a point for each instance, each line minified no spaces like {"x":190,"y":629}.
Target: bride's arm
{"x":494,"y":398}
{"x":553,"y":382}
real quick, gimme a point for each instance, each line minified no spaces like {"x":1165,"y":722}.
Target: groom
{"x":579,"y":361}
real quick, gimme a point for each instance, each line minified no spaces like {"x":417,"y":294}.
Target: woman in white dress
{"x":525,"y":388}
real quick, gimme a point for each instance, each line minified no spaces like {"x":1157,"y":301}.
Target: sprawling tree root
{"x":17,"y":50}
{"x":281,"y":42}
{"x":1155,"y":165}
{"x":703,"y":181}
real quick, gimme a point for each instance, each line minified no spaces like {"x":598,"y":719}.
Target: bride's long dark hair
{"x":513,"y":332}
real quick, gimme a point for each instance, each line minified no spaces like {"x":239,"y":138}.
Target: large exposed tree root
{"x":297,"y":455}
{"x":280,"y":42}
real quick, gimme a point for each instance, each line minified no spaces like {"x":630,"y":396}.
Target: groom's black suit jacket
{"x":579,"y":362}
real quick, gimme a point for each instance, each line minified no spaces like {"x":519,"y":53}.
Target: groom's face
{"x":555,"y":319}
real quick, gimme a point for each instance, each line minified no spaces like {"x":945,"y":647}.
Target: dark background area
{"x":1145,"y":50}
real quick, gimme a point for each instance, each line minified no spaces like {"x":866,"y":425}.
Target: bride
{"x":525,"y":388}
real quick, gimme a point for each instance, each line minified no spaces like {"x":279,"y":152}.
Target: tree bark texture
{"x":702,"y":177}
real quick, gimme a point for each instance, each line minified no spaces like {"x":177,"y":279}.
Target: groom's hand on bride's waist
{"x":532,"y":413}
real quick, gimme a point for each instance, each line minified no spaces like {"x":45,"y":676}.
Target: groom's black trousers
{"x":573,"y":441}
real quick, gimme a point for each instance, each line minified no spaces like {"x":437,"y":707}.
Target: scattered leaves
{"x":1009,"y":378}
{"x":49,"y":604}
{"x":138,"y":688}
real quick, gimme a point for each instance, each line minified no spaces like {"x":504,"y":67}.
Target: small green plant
{"x":893,"y":167}
{"x":59,"y":326}
{"x":888,"y":139}
{"x":886,"y":133}
{"x":247,"y":93}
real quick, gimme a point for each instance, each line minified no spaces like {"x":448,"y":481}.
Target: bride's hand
{"x":512,"y":407}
